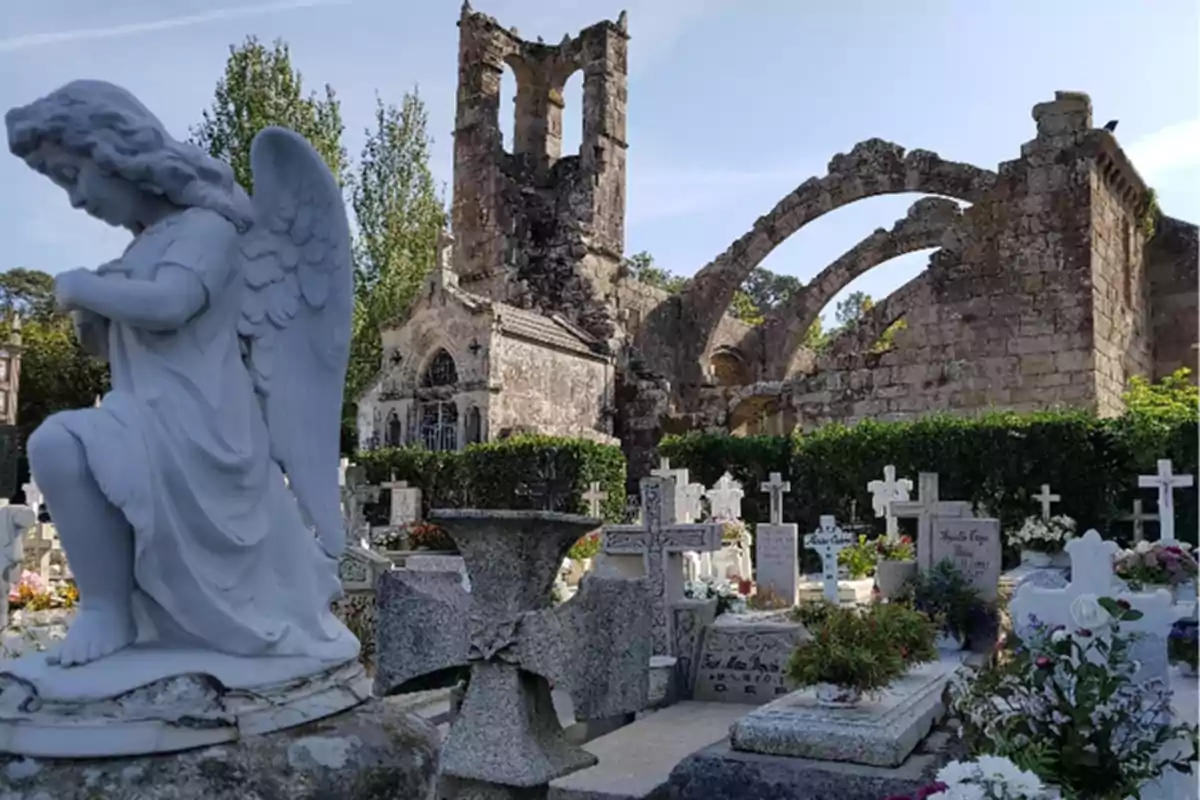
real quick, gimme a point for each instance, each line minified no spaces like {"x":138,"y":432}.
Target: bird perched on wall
{"x":1111,"y":125}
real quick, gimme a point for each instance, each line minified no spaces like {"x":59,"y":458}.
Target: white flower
{"x":1086,"y":612}
{"x":957,"y":772}
{"x":1142,"y":547}
{"x":1059,"y":636}
{"x":964,"y":791}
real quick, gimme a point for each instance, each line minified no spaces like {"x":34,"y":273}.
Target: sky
{"x":731,"y":104}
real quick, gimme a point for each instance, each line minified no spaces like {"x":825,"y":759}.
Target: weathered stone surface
{"x":881,"y":732}
{"x":372,"y":752}
{"x":744,"y":656}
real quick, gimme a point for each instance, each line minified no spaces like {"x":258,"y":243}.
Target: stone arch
{"x":924,"y":227}
{"x":870,"y":169}
{"x":863,"y":335}
{"x":440,"y":369}
{"x":729,"y":367}
{"x":752,"y":414}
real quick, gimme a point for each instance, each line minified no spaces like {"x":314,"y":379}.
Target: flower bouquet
{"x":727,"y":594}
{"x":34,"y":593}
{"x":1039,"y":539}
{"x":1154,"y":564}
{"x":586,"y":547}
{"x":989,"y":778}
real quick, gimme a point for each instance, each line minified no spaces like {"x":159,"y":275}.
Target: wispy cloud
{"x":32,"y":40}
{"x":1172,"y":149}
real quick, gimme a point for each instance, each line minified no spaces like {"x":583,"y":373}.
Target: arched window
{"x":474,"y":426}
{"x":439,"y":426}
{"x":440,"y":371}
{"x":393,"y":436}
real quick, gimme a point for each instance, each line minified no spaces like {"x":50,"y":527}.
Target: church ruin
{"x":1059,"y":281}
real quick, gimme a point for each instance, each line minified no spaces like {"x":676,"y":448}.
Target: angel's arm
{"x":196,"y":260}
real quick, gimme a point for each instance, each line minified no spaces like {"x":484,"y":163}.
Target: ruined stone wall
{"x":535,"y":228}
{"x":1171,"y":257}
{"x":552,"y":392}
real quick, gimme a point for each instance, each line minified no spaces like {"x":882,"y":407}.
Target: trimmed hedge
{"x":524,"y":472}
{"x":998,"y":461}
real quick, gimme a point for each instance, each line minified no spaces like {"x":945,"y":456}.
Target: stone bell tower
{"x":534,"y":227}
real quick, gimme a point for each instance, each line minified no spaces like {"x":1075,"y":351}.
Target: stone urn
{"x":890,"y":576}
{"x":830,"y":695}
{"x":1036,"y":559}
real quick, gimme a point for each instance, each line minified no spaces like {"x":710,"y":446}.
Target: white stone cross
{"x":776,"y":487}
{"x":406,"y":502}
{"x":661,"y":541}
{"x":687,"y":500}
{"x":1139,"y":518}
{"x":343,"y":467}
{"x":888,"y":491}
{"x":829,"y":540}
{"x":49,"y":535}
{"x":594,"y":497}
{"x":1166,"y":483}
{"x":725,"y":498}
{"x":924,"y":509}
{"x":33,"y":497}
{"x":1046,"y":499}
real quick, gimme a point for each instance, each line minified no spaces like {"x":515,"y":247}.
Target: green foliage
{"x":1148,"y":214}
{"x":858,"y":559}
{"x":851,"y":308}
{"x":641,"y":267}
{"x":943,"y":593}
{"x":260,"y":88}
{"x":538,"y":472}
{"x":902,"y":549}
{"x":887,"y":339}
{"x":997,"y":461}
{"x":864,"y":650}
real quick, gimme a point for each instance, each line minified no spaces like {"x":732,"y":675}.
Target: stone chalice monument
{"x":205,"y":576}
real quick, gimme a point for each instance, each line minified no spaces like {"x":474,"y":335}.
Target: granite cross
{"x":661,"y":541}
{"x":829,"y":540}
{"x":884,"y":493}
{"x":506,"y":739}
{"x":776,"y":487}
{"x":924,"y":509}
{"x":594,"y":497}
{"x":1139,"y":518}
{"x":684,"y":497}
{"x":1166,"y":482}
{"x":1046,"y":499}
{"x":725,"y":498}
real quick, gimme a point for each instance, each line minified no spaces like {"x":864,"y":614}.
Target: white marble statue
{"x":226,"y":323}
{"x":14,"y":522}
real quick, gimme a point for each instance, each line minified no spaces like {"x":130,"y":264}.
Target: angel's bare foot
{"x":95,"y":633}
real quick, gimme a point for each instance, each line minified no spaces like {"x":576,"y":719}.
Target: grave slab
{"x":743,"y":657}
{"x":880,"y":732}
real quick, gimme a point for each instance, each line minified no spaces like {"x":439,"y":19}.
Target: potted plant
{"x":1040,"y":540}
{"x":1065,"y":703}
{"x":858,"y":560}
{"x":895,"y":565}
{"x":947,"y":596}
{"x":1183,"y":645}
{"x":853,"y":652}
{"x":1150,"y":566}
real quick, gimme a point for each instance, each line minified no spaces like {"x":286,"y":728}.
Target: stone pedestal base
{"x":375,"y":750}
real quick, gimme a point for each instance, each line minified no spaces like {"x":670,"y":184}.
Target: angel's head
{"x":115,"y":159}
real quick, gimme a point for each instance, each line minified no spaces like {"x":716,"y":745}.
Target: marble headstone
{"x":974,"y":547}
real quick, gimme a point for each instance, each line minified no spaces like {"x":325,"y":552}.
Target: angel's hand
{"x":114,"y":267}
{"x":72,"y":288}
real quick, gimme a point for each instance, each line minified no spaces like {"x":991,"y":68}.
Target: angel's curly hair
{"x":107,"y":125}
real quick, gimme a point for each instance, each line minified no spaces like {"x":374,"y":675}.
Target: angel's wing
{"x":295,"y":324}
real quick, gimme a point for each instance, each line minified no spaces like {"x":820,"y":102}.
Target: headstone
{"x":725,"y":498}
{"x":406,"y":503}
{"x":1092,"y":575}
{"x":974,"y":547}
{"x":691,"y":505}
{"x":1046,"y":499}
{"x":506,"y":740}
{"x":14,"y":522}
{"x":776,"y":487}
{"x":661,"y":542}
{"x":52,"y":565}
{"x":1166,"y":482}
{"x":828,"y":540}
{"x":777,"y":564}
{"x":594,"y":497}
{"x":924,"y":509}
{"x":744,"y":657}
{"x":1139,"y":519}
{"x":356,"y":493}
{"x":682,"y":511}
{"x":33,"y":497}
{"x":886,"y":492}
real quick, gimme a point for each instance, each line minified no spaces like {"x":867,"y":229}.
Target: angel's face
{"x":106,"y":197}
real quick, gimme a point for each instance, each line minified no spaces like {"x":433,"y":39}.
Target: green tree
{"x":641,"y":267}
{"x":56,"y":374}
{"x":851,"y":309}
{"x":770,"y":291}
{"x":400,"y":213}
{"x":261,"y":88}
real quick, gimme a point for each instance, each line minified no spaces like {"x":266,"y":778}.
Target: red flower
{"x":1123,"y":605}
{"x":1042,"y":662}
{"x":1084,"y":632}
{"x":745,"y":586}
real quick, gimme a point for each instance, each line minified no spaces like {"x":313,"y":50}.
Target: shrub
{"x":946,"y":595}
{"x":858,"y":559}
{"x":902,"y":549}
{"x":586,"y":547}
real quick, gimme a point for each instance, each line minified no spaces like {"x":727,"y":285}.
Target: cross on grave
{"x":884,"y":493}
{"x":1166,"y":482}
{"x":33,"y":497}
{"x":725,"y":498}
{"x":685,"y":500}
{"x":828,"y":540}
{"x":924,"y":509}
{"x":594,"y":497}
{"x":406,"y":502}
{"x":1139,"y":518}
{"x":1046,"y":499}
{"x":661,"y":541}
{"x":506,"y":739}
{"x":48,"y":534}
{"x":356,"y":493}
{"x":776,"y":487}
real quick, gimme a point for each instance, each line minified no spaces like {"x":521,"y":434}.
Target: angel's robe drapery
{"x":222,"y":556}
